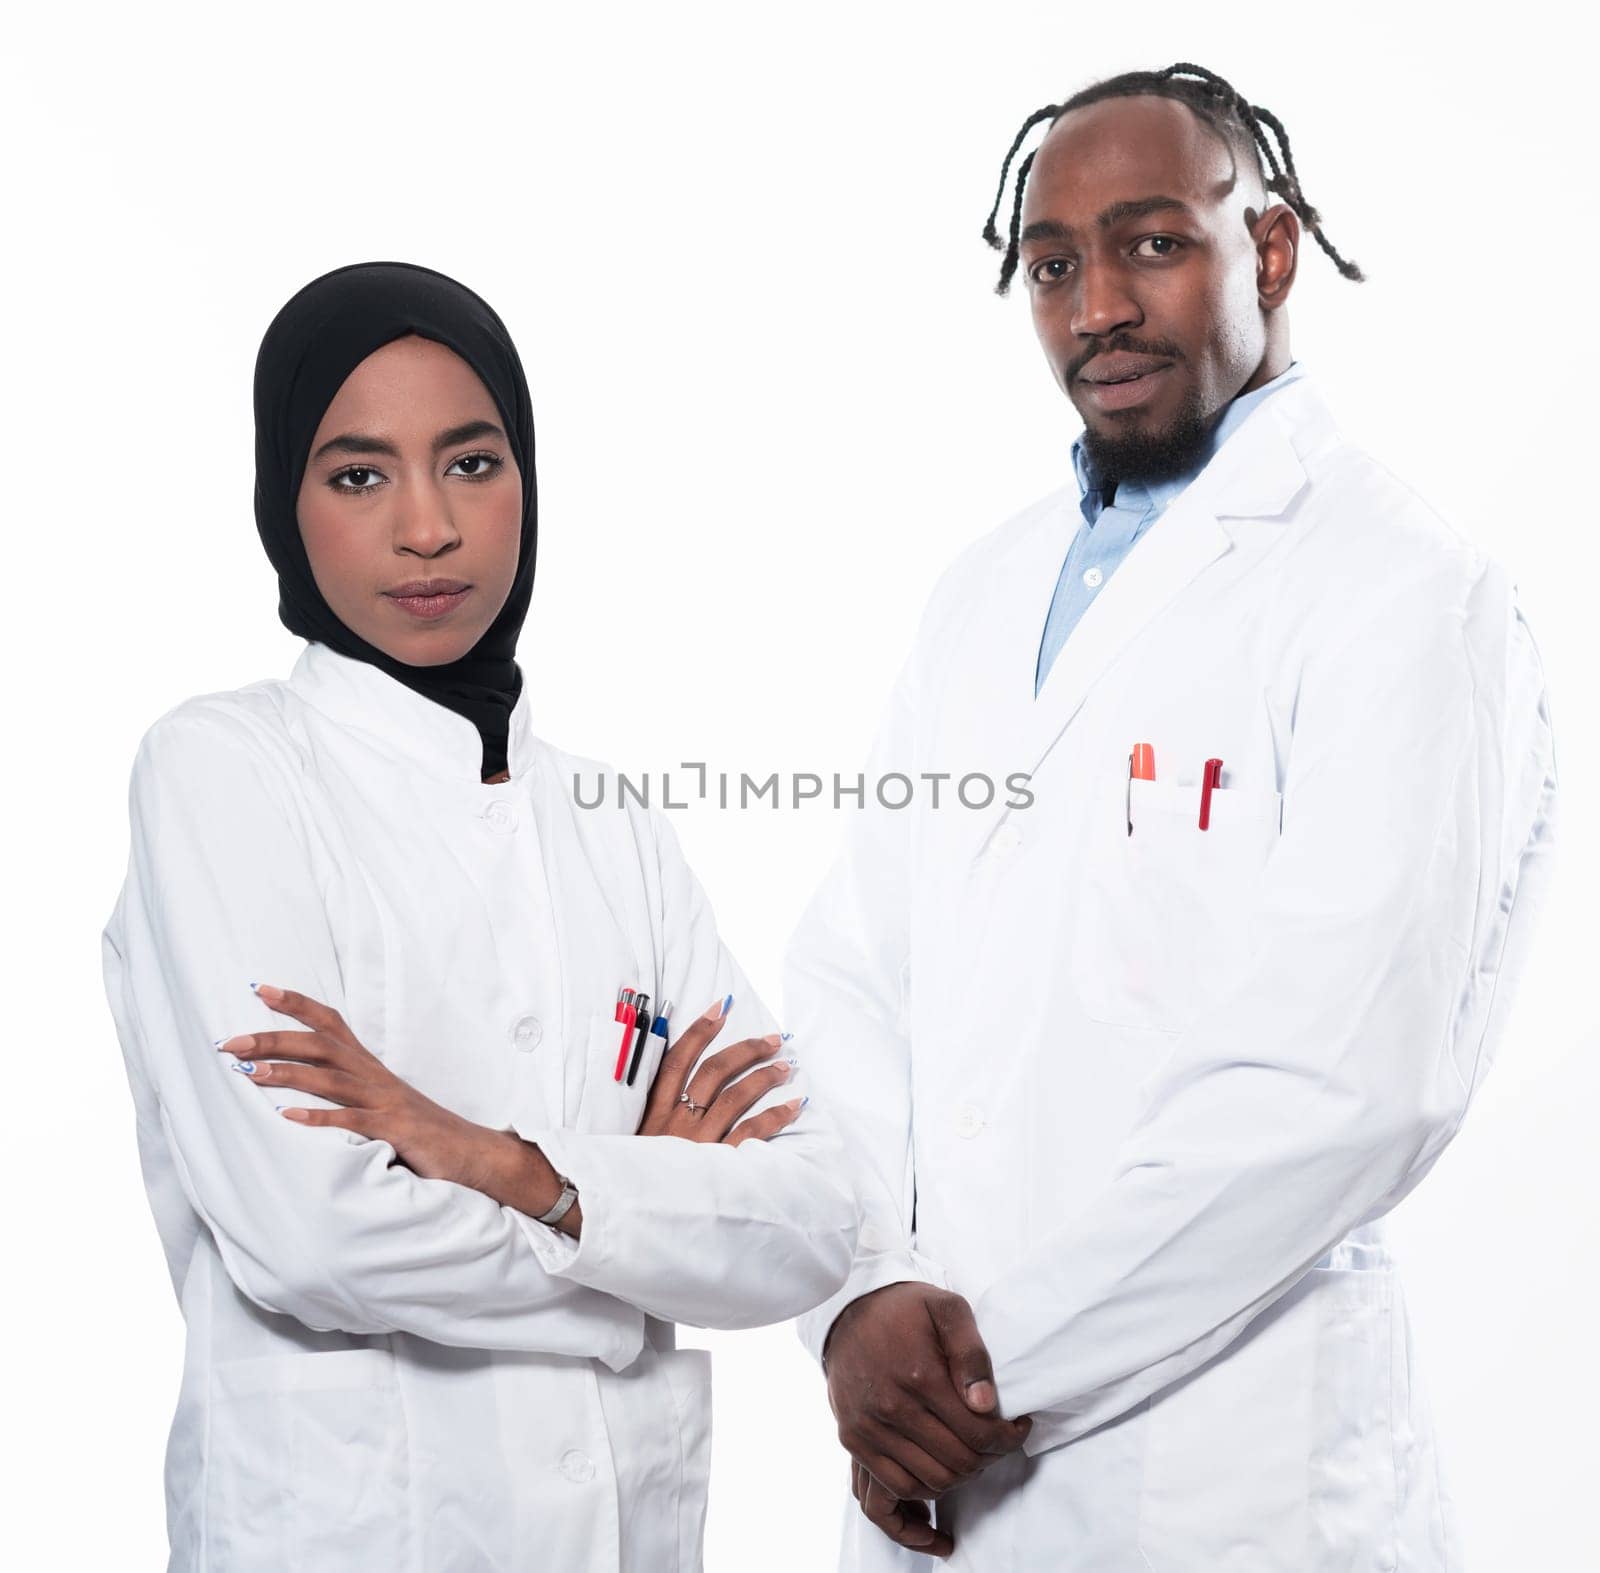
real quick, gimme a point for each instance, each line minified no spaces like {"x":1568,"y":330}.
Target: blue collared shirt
{"x":1108,"y":532}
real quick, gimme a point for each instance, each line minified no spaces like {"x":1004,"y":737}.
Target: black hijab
{"x":319,"y":337}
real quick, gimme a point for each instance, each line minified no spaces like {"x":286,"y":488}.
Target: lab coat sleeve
{"x":708,"y":1233}
{"x":1388,"y":930}
{"x":846,"y":988}
{"x":310,"y":1222}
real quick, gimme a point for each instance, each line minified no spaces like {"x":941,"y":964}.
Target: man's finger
{"x":905,"y":1467}
{"x":970,"y":1367}
{"x":902,"y":1522}
{"x":983,"y":1433}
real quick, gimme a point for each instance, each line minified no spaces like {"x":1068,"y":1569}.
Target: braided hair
{"x":1216,"y":102}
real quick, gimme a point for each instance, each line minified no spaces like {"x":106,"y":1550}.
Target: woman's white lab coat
{"x":385,"y":1371}
{"x":1144,"y":1098}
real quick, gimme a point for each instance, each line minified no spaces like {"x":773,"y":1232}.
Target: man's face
{"x":1146,"y":251}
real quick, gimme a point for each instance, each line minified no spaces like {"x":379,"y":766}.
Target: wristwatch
{"x":563,"y":1204}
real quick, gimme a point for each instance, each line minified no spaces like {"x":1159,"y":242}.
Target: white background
{"x":738,"y":248}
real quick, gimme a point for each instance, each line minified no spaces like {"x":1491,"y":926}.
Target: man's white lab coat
{"x":1144,"y":1098}
{"x":385,"y":1371}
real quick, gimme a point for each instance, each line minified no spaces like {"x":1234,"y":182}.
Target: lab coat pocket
{"x":1276,"y":1454}
{"x":1353,"y":1485}
{"x":1163,"y":914}
{"x":307,"y":1464}
{"x":606,"y":1104}
{"x":688,"y":1374}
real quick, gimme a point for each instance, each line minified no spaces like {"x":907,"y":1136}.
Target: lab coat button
{"x":527,"y":1032}
{"x":1093,"y":577}
{"x":577,"y":1466}
{"x":501,"y":816}
{"x":969,"y":1121}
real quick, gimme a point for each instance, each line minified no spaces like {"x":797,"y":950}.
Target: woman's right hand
{"x":720,"y":1092}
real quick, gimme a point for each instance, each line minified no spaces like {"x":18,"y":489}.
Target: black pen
{"x":658,"y":1029}
{"x":644,"y":1020}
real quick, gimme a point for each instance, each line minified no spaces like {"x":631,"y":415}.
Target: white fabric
{"x":384,"y":1371}
{"x":1149,"y":1096}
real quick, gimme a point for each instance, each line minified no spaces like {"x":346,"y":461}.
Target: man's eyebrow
{"x":360,"y":443}
{"x":1116,"y":213}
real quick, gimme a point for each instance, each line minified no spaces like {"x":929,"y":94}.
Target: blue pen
{"x":658,"y":1029}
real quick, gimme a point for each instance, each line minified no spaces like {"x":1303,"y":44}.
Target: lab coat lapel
{"x":1256,"y":473}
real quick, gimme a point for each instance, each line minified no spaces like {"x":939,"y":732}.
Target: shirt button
{"x":577,"y":1466}
{"x":1092,"y":577}
{"x":969,"y":1121}
{"x":501,"y":816}
{"x":527,"y":1032}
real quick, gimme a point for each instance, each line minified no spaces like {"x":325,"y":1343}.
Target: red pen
{"x":1212,"y":778}
{"x":626,"y":1016}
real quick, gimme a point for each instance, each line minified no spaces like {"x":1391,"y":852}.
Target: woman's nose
{"x":422,"y":520}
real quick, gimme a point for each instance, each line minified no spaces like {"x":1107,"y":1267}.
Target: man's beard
{"x":1152,"y":456}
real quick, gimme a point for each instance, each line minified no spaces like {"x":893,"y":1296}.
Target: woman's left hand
{"x":330,"y":1061}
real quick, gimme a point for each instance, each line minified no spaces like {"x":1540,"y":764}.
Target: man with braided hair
{"x":1132,"y":1066}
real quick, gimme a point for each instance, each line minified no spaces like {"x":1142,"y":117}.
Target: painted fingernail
{"x":245,"y":1067}
{"x":727,"y":1005}
{"x":267,"y":991}
{"x":773,"y":1039}
{"x":713,"y":1012}
{"x":783,"y":1037}
{"x":791,"y":1061}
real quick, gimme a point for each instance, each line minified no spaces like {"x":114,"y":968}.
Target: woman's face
{"x":411,"y":478}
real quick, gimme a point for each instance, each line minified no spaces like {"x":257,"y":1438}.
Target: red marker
{"x":1212,"y":778}
{"x":626,"y":1015}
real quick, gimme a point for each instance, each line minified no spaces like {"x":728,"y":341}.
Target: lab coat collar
{"x":399,"y":721}
{"x":1256,"y":473}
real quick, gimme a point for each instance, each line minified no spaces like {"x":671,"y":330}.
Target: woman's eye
{"x":1170,"y":241}
{"x":484,"y":465}
{"x":360,"y":476}
{"x":1048,"y":271}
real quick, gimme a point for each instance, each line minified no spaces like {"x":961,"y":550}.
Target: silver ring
{"x":694,"y":1108}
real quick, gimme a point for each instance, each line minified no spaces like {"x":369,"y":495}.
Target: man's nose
{"x":1103,"y":303}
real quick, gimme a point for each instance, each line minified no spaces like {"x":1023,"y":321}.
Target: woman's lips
{"x":429,"y":607}
{"x":1124,"y":395}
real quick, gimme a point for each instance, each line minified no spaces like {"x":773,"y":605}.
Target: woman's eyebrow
{"x":359,"y":442}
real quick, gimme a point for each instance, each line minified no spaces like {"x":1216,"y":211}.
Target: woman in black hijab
{"x":319,"y":336}
{"x":432,"y":1326}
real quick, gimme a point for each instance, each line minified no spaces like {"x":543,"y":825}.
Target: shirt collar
{"x":1142,"y":496}
{"x":400,"y":722}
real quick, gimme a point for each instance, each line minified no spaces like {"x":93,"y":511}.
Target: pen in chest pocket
{"x":648,"y":1030}
{"x":1212,"y":778}
{"x":627,"y":1015}
{"x":1141,"y":767}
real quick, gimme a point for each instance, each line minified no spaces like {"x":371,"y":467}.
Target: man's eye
{"x":1048,"y":271}
{"x":1170,"y":241}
